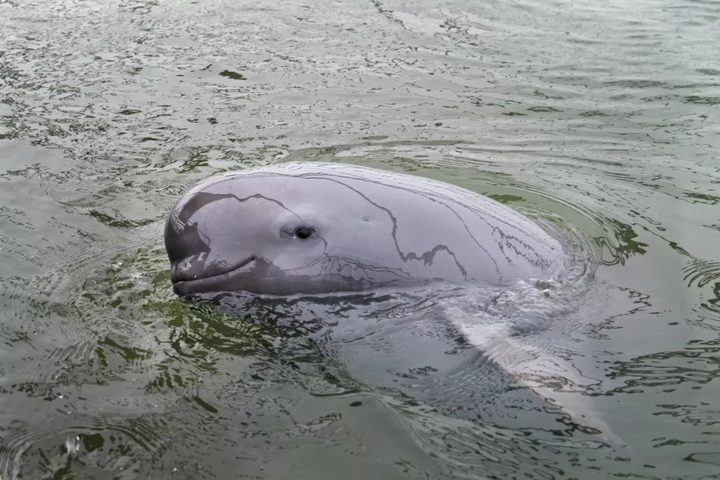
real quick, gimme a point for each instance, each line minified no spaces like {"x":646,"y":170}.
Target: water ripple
{"x":596,"y":118}
{"x":89,"y":446}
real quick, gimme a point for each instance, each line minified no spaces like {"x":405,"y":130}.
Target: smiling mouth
{"x":213,"y":276}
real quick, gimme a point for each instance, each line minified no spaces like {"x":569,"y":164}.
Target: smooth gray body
{"x":326,"y":227}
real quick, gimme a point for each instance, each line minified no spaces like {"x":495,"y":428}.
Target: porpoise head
{"x":320,"y":228}
{"x":280,"y":234}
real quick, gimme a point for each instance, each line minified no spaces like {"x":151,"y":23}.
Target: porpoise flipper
{"x":547,"y":375}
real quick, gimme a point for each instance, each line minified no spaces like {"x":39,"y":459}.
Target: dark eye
{"x":304,"y":232}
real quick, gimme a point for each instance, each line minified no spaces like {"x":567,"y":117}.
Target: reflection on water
{"x":597,"y":119}
{"x":626,"y":244}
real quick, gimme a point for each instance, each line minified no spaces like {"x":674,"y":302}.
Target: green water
{"x":605,"y":113}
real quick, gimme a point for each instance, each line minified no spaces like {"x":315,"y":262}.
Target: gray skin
{"x":309,"y":228}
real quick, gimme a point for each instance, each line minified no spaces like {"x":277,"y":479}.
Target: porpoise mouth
{"x":212,"y":280}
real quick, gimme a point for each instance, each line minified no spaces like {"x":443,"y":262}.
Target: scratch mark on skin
{"x":426,"y":256}
{"x":505,"y":240}
{"x":199,"y":198}
{"x":497,"y":268}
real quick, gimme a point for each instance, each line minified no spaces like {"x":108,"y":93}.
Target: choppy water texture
{"x":600,"y":116}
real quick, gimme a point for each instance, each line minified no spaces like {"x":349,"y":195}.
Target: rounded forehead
{"x":341,"y":189}
{"x":299,"y":175}
{"x":300,"y":193}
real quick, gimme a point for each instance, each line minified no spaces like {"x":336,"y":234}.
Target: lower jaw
{"x":203,"y":285}
{"x":254,"y":286}
{"x":261,"y":280}
{"x":274,"y":286}
{"x":217,"y":283}
{"x":233,"y":280}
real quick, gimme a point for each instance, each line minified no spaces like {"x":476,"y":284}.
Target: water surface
{"x":601,"y":114}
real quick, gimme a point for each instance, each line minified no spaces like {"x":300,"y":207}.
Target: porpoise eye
{"x":304,"y":232}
